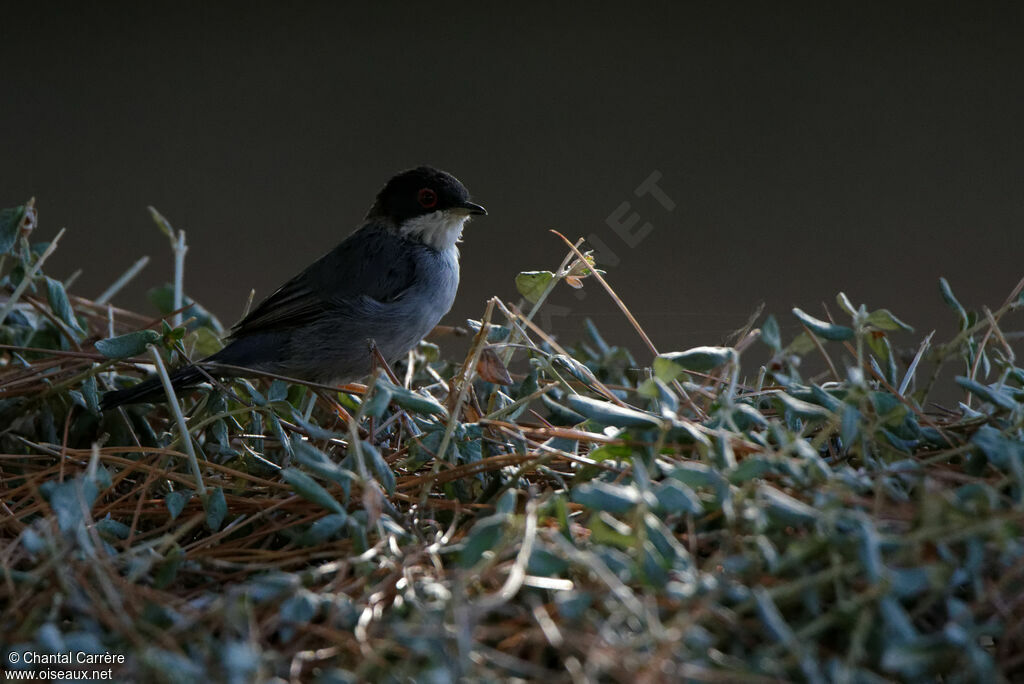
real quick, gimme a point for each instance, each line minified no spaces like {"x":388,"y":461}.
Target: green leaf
{"x":382,"y":471}
{"x":746,"y":416}
{"x":675,"y":497}
{"x":664,"y":540}
{"x":615,"y":452}
{"x":751,"y":468}
{"x":90,"y":393}
{"x":216,"y":508}
{"x":784,"y":508}
{"x":163,"y":299}
{"x":430,"y":351}
{"x":560,"y":414}
{"x":605,"y":530}
{"x":411,"y":400}
{"x":70,"y":500}
{"x":506,"y":505}
{"x":242,"y":659}
{"x":849,"y":425}
{"x":532,"y":284}
{"x":891,"y":371}
{"x":123,"y":346}
{"x":603,"y":496}
{"x":546,"y":564}
{"x":380,"y":397}
{"x":668,"y":367}
{"x":1003,"y":453}
{"x":595,"y":336}
{"x":176,"y":500}
{"x":876,"y":340}
{"x":10,"y":221}
{"x":884,"y":320}
{"x":570,"y":365}
{"x":495,"y":333}
{"x":696,"y":474}
{"x":781,"y":632}
{"x":162,"y":223}
{"x":270,"y":586}
{"x":801,"y":344}
{"x":823,"y":329}
{"x":954,"y":304}
{"x":205,"y":342}
{"x":888,"y":407}
{"x":986,"y":393}
{"x":802,"y":409}
{"x":572,"y":605}
{"x":279,"y":434}
{"x":298,"y":609}
{"x":257,"y":398}
{"x":59,"y":303}
{"x":317,"y":461}
{"x":654,"y":388}
{"x":278,"y":391}
{"x":770,"y":334}
{"x":845,"y":304}
{"x":822,"y":398}
{"x":654,"y":566}
{"x":219,"y":428}
{"x":486,"y":533}
{"x":311,"y":490}
{"x":167,"y":569}
{"x":606,"y":413}
{"x":323,"y":530}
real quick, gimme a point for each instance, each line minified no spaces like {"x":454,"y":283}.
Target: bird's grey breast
{"x":432,"y":293}
{"x":438,"y":273}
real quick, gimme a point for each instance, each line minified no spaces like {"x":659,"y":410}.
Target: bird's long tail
{"x":152,"y":389}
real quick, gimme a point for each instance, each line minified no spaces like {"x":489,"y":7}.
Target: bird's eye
{"x":427,"y":198}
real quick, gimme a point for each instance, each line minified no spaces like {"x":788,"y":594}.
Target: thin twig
{"x":464,"y":383}
{"x":172,"y":401}
{"x":636,"y":324}
{"x":824,"y":354}
{"x":123,"y":280}
{"x":615,"y":298}
{"x":28,"y":278}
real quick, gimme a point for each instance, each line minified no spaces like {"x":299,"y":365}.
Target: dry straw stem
{"x":123,"y":280}
{"x":8,"y":306}
{"x":944,"y":352}
{"x":632,"y":320}
{"x":172,"y":401}
{"x":462,"y":384}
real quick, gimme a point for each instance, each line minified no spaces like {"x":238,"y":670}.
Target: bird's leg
{"x":212,"y":380}
{"x":377,"y":360}
{"x":338,"y":409}
{"x":226,"y":389}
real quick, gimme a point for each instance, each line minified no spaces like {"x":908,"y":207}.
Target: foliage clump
{"x":712,"y":514}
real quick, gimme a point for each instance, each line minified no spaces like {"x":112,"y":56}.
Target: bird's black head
{"x":422,"y":191}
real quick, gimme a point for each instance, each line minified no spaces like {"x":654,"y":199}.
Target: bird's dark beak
{"x":473,"y":208}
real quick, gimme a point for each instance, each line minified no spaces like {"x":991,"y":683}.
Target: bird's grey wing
{"x":372,"y":262}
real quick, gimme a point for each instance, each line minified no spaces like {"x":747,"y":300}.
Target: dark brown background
{"x":808,"y":149}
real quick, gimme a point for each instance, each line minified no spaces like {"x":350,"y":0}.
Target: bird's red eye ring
{"x":427,"y":198}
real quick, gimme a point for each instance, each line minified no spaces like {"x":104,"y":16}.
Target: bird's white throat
{"x":440,"y":229}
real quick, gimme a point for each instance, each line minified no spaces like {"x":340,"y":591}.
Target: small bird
{"x":387,"y":284}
